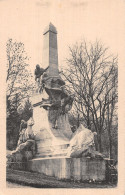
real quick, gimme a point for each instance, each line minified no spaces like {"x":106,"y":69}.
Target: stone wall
{"x":81,"y":169}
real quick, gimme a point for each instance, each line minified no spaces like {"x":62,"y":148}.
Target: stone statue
{"x":23,"y":127}
{"x":29,"y":132}
{"x":39,"y":72}
{"x":25,"y":131}
{"x":67,"y":104}
{"x":26,"y":144}
{"x":82,"y":144}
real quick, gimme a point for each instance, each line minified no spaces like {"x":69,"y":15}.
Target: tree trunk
{"x":99,"y":143}
{"x":110,"y":143}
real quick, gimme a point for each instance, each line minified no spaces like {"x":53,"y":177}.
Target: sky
{"x":75,"y":20}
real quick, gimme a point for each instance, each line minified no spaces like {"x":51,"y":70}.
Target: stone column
{"x":50,"y":51}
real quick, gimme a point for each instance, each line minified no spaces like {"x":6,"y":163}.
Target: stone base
{"x":81,"y":169}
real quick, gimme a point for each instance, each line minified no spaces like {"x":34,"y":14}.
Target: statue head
{"x":23,"y":124}
{"x":37,"y":66}
{"x":30,"y":122}
{"x":45,"y":75}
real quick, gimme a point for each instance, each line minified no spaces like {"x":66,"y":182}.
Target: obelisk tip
{"x":51,"y":28}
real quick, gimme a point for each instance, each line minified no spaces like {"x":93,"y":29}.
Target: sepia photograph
{"x":60,"y":64}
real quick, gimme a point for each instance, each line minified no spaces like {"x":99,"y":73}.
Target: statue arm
{"x":36,"y":74}
{"x":46,"y":69}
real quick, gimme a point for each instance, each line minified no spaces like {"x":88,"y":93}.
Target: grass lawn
{"x":39,"y":180}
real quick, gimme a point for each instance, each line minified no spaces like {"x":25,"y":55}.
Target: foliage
{"x":92,"y":76}
{"x":27,"y":111}
{"x":19,"y":87}
{"x":19,"y":78}
{"x":12,"y":125}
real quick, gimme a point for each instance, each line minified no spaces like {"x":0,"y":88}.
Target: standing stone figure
{"x":38,"y":73}
{"x":23,"y":127}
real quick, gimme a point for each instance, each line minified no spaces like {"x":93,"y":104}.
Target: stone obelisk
{"x":50,"y":51}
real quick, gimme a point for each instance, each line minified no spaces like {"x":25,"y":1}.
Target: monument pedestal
{"x":81,"y":169}
{"x":49,"y":141}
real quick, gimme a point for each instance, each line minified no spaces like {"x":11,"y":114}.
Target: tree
{"x":19,"y":87}
{"x":27,"y":111}
{"x":19,"y":79}
{"x":12,"y":123}
{"x":92,"y":76}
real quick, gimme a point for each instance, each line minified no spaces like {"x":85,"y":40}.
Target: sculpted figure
{"x":67,"y":104}
{"x":82,"y":144}
{"x":39,"y":72}
{"x":23,"y":127}
{"x":26,"y":144}
{"x":29,"y":132}
{"x":82,"y":140}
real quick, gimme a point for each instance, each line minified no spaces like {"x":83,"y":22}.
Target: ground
{"x":17,"y":179}
{"x":15,"y":185}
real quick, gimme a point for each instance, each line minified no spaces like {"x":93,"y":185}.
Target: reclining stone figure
{"x":82,"y":144}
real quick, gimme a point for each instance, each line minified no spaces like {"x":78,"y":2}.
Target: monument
{"x":52,"y":129}
{"x":59,"y":151}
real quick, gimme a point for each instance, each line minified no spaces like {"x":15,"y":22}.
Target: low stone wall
{"x":81,"y":169}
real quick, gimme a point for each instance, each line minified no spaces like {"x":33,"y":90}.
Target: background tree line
{"x":92,"y":76}
{"x":19,"y":87}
